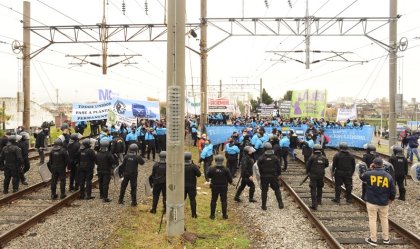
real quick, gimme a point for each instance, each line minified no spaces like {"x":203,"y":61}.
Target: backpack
{"x":327,"y":139}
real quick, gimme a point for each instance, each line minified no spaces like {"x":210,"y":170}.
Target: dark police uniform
{"x":129,"y":169}
{"x":59,"y":160}
{"x":159,"y":184}
{"x":315,"y":168}
{"x":191,"y":173}
{"x":246,"y":172}
{"x":269,"y":168}
{"x":343,"y":168}
{"x":85,"y":171}
{"x":105,"y":161}
{"x":11,"y":161}
{"x":220,"y":178}
{"x":400,"y":164}
{"x":368,"y":159}
{"x":74,"y":154}
{"x":24,"y":146}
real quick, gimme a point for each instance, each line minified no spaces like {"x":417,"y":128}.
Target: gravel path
{"x":405,"y":213}
{"x":85,"y":224}
{"x":276,"y":228}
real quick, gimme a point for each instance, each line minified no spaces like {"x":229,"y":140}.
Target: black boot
{"x":251,"y":195}
{"x":264,"y":200}
{"x":279,"y":199}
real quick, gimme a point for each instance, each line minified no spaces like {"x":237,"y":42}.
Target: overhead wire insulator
{"x":290,"y":3}
{"x":123,"y":7}
{"x":266,"y":3}
{"x":146,"y":7}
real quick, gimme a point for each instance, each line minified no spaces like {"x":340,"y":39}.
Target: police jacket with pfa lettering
{"x":220,"y":176}
{"x":316,"y":165}
{"x":380,"y":186}
{"x":269,"y":165}
{"x":130,"y":164}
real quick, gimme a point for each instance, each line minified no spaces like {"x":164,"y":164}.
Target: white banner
{"x":86,"y":112}
{"x":220,"y":105}
{"x":192,"y":106}
{"x":345,"y":114}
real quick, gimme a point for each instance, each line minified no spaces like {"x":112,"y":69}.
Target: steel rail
{"x":39,"y":217}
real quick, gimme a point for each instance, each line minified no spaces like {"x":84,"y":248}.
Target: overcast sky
{"x":236,"y":60}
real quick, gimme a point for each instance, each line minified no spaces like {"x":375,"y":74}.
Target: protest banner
{"x":87,"y":112}
{"x":309,"y":103}
{"x":344,"y":114}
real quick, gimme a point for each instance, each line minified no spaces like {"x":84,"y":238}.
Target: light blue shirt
{"x":207,"y":151}
{"x":131,"y":137}
{"x":232,"y":149}
{"x":285,"y":142}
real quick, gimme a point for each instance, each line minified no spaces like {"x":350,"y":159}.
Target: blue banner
{"x":136,"y":108}
{"x":355,"y":137}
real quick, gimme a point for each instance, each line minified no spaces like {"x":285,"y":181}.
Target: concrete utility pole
{"x":220,"y":90}
{"x":203,"y":55}
{"x":261,"y":90}
{"x":4,"y":115}
{"x":176,"y":125}
{"x":26,"y":60}
{"x":392,"y":126}
{"x":307,"y":37}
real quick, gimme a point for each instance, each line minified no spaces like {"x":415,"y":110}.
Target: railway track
{"x":342,"y":225}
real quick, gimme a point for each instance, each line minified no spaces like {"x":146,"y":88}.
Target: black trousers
{"x":364,"y":186}
{"x":316,"y":185}
{"x":41,"y":156}
{"x":232,"y":163}
{"x":132,"y":178}
{"x":274,"y":185}
{"x":192,"y":193}
{"x":399,"y":180}
{"x":161,"y":141}
{"x":26,"y":167}
{"x":284,"y":152}
{"x":11,"y":174}
{"x":157,"y":189}
{"x":207,"y":164}
{"x":250,"y":184}
{"x":104,"y":178}
{"x":85,"y":181}
{"x":151,"y":147}
{"x":215,"y":193}
{"x":58,"y":174}
{"x":348,"y":183}
{"x":74,"y":181}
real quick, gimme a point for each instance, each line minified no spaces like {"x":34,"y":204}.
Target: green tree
{"x":241,"y":106}
{"x":254,"y":104}
{"x":3,"y":118}
{"x":163,"y":110}
{"x":288,"y":95}
{"x":265,"y":98}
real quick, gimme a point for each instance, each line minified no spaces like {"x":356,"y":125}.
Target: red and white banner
{"x":220,"y":105}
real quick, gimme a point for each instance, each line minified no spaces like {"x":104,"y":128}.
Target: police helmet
{"x":389,"y":168}
{"x":132,"y":149}
{"x":219,"y":160}
{"x":162,"y":156}
{"x":12,"y":139}
{"x":268,"y":146}
{"x":58,"y":142}
{"x":317,"y":148}
{"x":187,"y":157}
{"x":74,"y":136}
{"x":397,"y":149}
{"x":104,"y":145}
{"x":343,"y":146}
{"x":25,"y":135}
{"x":249,"y":150}
{"x":86,"y":143}
{"x":361,"y":168}
{"x":371,"y":147}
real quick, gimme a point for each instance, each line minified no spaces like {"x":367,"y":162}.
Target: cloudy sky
{"x":236,"y":60}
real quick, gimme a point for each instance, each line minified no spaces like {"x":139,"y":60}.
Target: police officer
{"x":368,"y":159}
{"x":246,"y":174}
{"x":40,"y":143}
{"x":400,"y":164}
{"x":59,"y":160}
{"x":118,"y":147}
{"x":315,"y":168}
{"x":74,"y":154}
{"x":192,"y":171}
{"x":87,"y":159}
{"x":10,"y":161}
{"x":232,"y":152}
{"x":343,"y":168}
{"x":380,"y":192}
{"x":129,"y":169}
{"x":220,"y":178}
{"x":106,"y":162}
{"x":23,"y":144}
{"x":159,"y":182}
{"x":269,"y":169}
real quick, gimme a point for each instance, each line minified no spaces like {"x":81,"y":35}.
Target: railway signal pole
{"x":393,"y":44}
{"x":175,"y":116}
{"x":26,"y":61}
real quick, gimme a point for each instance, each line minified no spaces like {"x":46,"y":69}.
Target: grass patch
{"x":139,"y":228}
